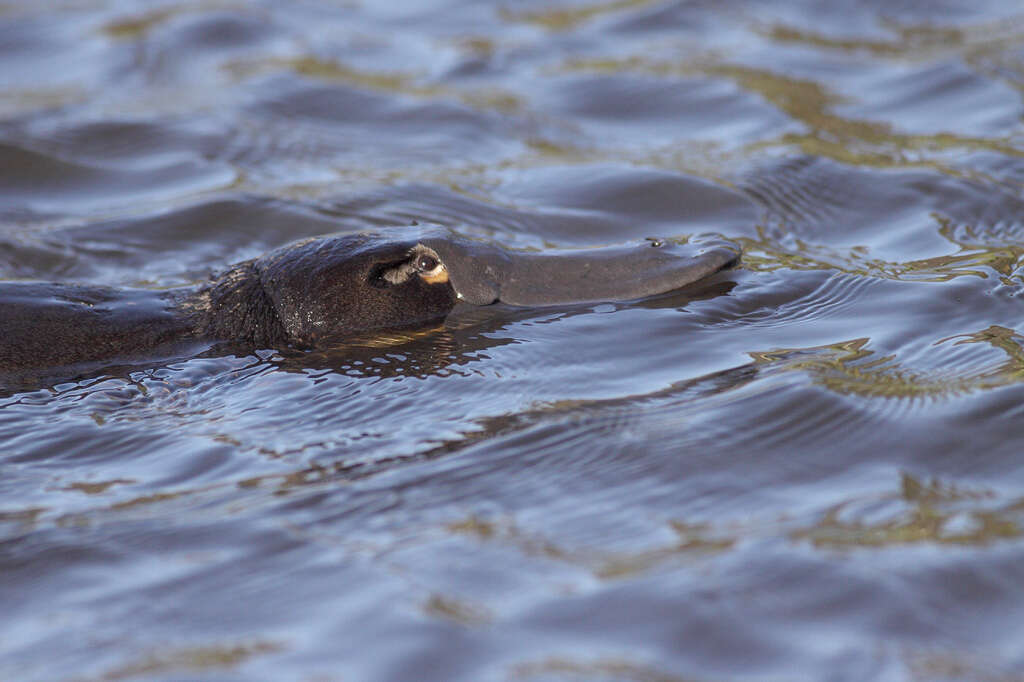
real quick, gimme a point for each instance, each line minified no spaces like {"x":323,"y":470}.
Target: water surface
{"x":807,"y":468}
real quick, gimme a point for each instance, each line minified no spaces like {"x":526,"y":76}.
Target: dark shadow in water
{"x":13,"y":383}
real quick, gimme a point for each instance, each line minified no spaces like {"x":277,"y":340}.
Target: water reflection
{"x":693,"y":543}
{"x":851,"y":368}
{"x":604,"y":669}
{"x":921,"y":512}
{"x":847,"y":140}
{"x":563,"y":19}
{"x":208,"y":659}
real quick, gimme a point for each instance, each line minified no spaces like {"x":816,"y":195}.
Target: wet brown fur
{"x":300,"y":295}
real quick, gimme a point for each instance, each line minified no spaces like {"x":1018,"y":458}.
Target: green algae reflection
{"x":847,"y":140}
{"x":199,"y":659}
{"x":567,"y":18}
{"x":975,"y":256}
{"x":692,"y":541}
{"x":850,"y":368}
{"x":926,"y":512}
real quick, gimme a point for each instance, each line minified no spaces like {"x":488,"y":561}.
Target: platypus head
{"x":328,"y":287}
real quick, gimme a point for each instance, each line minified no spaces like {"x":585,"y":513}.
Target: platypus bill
{"x":316,"y":291}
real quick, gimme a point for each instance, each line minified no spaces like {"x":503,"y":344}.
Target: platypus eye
{"x":419,"y":261}
{"x":426,"y":263}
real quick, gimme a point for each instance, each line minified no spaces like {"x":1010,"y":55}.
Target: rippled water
{"x":808,"y":468}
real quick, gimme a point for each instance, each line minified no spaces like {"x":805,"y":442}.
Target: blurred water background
{"x":809,"y":468}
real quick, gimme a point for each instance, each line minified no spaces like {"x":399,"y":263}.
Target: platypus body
{"x":313,"y":292}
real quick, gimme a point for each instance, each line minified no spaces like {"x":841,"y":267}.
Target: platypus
{"x":313,"y":292}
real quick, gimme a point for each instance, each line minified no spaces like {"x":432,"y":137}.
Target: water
{"x":808,"y":468}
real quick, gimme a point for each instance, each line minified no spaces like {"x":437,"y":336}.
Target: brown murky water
{"x":810,"y":468}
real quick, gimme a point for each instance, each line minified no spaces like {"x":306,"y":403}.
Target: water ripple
{"x":54,"y":185}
